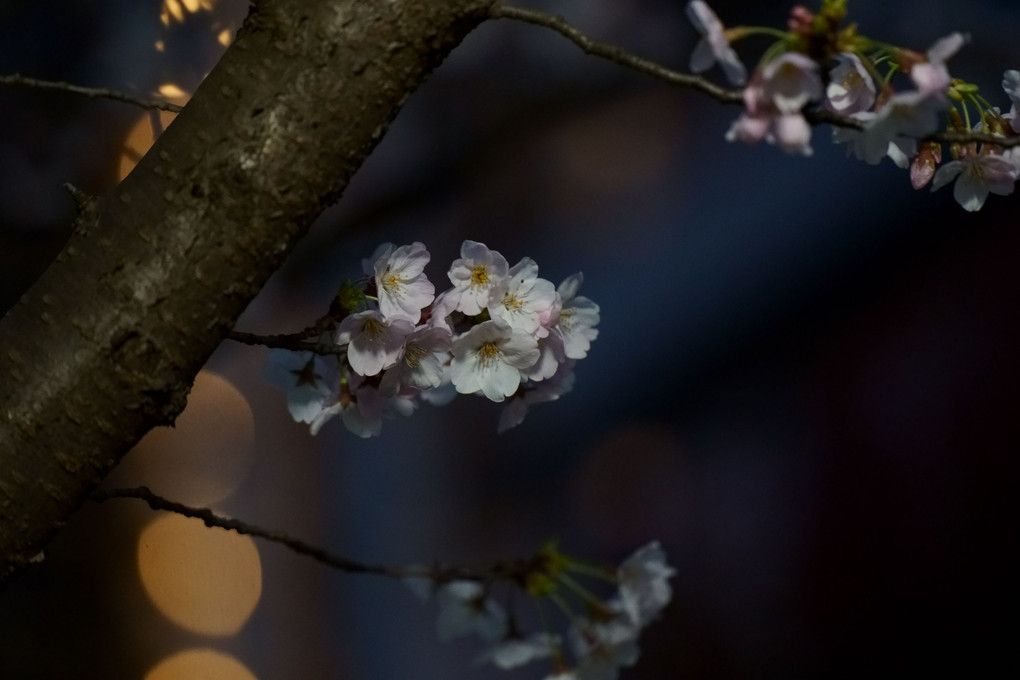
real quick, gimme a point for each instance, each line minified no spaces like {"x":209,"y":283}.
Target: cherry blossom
{"x":401,"y":284}
{"x":773,"y":102}
{"x":522,"y":298}
{"x":515,"y":651}
{"x":905,"y":117}
{"x":488,"y":358}
{"x":577,"y":319}
{"x":523,"y":332}
{"x":445,"y":304}
{"x":420,"y":366}
{"x":476,"y":275}
{"x":602,"y":648}
{"x":932,"y":77}
{"x":976,"y":176}
{"x":602,"y":639}
{"x":644,"y":583}
{"x":714,"y":45}
{"x":359,"y":406}
{"x":550,"y":358}
{"x":308,"y":379}
{"x":374,"y":342}
{"x":464,"y":608}
{"x":850,"y":88}
{"x":1011,"y":84}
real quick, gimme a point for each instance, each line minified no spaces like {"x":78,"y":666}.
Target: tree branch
{"x":629,"y":60}
{"x":296,"y":342}
{"x":211,"y":519}
{"x":506,"y":570}
{"x":614,"y":54}
{"x":18,"y":80}
{"x":105,"y":345}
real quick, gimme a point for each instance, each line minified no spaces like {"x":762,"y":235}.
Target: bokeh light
{"x":205,"y":580}
{"x":149,"y":126}
{"x":205,"y":456}
{"x":200,"y":664}
{"x":177,"y":10}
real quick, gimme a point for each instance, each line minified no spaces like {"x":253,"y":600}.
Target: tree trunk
{"x":107,"y":343}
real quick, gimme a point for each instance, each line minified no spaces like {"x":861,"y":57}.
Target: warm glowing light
{"x":195,"y":5}
{"x":174,"y":93}
{"x":205,"y":456}
{"x":203,"y":579}
{"x":149,"y":127}
{"x":225,"y":37}
{"x":200,"y":664}
{"x":160,"y":46}
{"x":141,"y":137}
{"x":177,"y":9}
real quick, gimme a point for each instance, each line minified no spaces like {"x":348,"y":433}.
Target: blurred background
{"x":805,"y":384}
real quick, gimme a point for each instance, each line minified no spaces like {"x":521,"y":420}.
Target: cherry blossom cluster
{"x":819,"y":61}
{"x":499,"y":331}
{"x":602,"y":636}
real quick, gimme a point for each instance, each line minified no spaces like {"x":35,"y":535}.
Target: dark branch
{"x":297,"y":342}
{"x":511,"y":570}
{"x":18,"y":80}
{"x":614,"y":54}
{"x":211,"y":519}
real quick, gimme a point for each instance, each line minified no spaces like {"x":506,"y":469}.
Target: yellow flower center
{"x":374,"y":331}
{"x":488,"y":354}
{"x":479,"y":276}
{"x":566,"y":319}
{"x":511,"y":302}
{"x":413,"y":355}
{"x":394,"y":283}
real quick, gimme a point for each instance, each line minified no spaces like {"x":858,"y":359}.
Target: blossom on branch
{"x":773,"y":101}
{"x":420,"y":366}
{"x":400,"y":281}
{"x":850,"y":88}
{"x":499,"y":331}
{"x":464,"y":608}
{"x":602,"y":633}
{"x":374,"y":343}
{"x":976,"y":176}
{"x":308,"y":379}
{"x":931,"y":77}
{"x":577,"y":318}
{"x":905,"y":117}
{"x":476,"y":275}
{"x":489,"y":359}
{"x":714,"y":46}
{"x":1011,"y":84}
{"x":523,"y":299}
{"x":644,"y":583}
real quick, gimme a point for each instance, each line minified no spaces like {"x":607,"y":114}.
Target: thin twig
{"x":438,"y":574}
{"x":973,"y":137}
{"x":295,"y":342}
{"x":612,"y":53}
{"x":211,"y":519}
{"x":18,"y":80}
{"x":629,"y":60}
{"x":302,"y":341}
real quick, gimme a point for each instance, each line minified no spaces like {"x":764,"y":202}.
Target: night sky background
{"x":805,"y":384}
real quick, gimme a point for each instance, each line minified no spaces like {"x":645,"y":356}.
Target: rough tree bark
{"x":106,"y":345}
